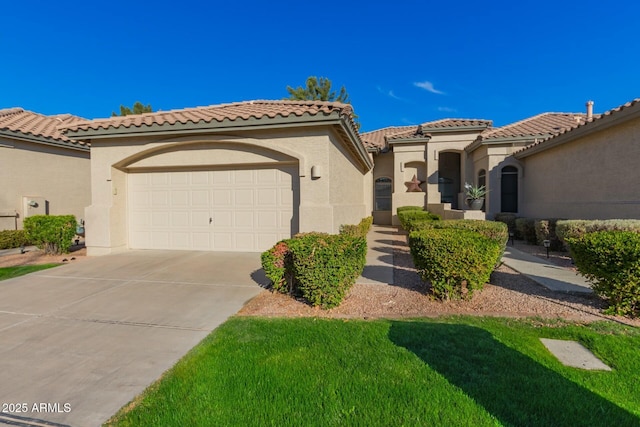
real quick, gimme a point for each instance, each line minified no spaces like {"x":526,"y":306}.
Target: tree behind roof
{"x":318,"y":89}
{"x":138,"y":108}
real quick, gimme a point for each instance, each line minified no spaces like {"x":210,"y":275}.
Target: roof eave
{"x":201,"y":127}
{"x":21,"y":136}
{"x":410,"y":140}
{"x":605,"y":121}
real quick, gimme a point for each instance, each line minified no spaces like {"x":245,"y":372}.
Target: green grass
{"x":449,"y":371}
{"x":10,"y":272}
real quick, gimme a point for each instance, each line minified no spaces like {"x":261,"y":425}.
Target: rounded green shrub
{"x":455,"y":261}
{"x":53,"y":233}
{"x":610,"y":260}
{"x":274,"y":265}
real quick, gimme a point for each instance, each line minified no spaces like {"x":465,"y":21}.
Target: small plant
{"x":52,"y":233}
{"x":610,"y":260}
{"x":409,"y":208}
{"x":474,"y":193}
{"x":527,"y":229}
{"x":274,"y":266}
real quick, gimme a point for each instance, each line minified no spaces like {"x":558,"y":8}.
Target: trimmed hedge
{"x":408,"y":208}
{"x":325,"y":266}
{"x":317,"y":266}
{"x":455,"y":261}
{"x":510,"y":220}
{"x":493,"y":230}
{"x":610,"y":260}
{"x":10,"y":239}
{"x":359,"y":230}
{"x":546,"y":230}
{"x":527,"y":230}
{"x":575,"y":228}
{"x":53,"y":233}
{"x":410,"y":218}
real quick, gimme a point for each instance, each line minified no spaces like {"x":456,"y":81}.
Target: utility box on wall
{"x":34,"y":205}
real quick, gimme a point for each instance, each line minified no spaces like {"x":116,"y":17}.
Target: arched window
{"x":382,"y":194}
{"x":482,"y":178}
{"x":509,"y":189}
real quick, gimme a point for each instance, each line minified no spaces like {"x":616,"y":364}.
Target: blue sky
{"x":402,"y":62}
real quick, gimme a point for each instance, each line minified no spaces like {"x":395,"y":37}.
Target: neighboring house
{"x":42,"y":171}
{"x":588,"y":172}
{"x":232,"y":177}
{"x":445,"y":154}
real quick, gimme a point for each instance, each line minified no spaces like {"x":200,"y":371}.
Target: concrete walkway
{"x":380,"y":264}
{"x":548,"y":275}
{"x":379,"y":267}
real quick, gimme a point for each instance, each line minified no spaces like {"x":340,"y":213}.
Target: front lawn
{"x":21,"y":270}
{"x":447,"y":371}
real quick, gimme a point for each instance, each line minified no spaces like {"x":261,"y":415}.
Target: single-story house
{"x":241,"y":176}
{"x":42,"y":171}
{"x":231,"y":177}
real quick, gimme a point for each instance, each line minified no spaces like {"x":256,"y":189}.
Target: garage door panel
{"x":227,"y":210}
{"x":179,"y":178}
{"x":200,"y":198}
{"x":244,"y":219}
{"x":159,"y":219}
{"x":222,"y":197}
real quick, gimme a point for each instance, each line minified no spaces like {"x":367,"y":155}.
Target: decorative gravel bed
{"x":508,"y":295}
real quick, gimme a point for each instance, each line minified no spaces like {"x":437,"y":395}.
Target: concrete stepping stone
{"x":574,"y":354}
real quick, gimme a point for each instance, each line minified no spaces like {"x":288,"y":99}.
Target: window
{"x":482,"y":178}
{"x":509,"y":189}
{"x":382,"y":194}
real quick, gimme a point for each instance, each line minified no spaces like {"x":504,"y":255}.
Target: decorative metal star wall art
{"x":413,"y":186}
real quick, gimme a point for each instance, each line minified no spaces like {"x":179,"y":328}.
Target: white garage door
{"x":222,"y":210}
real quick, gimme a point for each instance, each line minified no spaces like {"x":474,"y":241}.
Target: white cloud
{"x":389,"y":93}
{"x":428,"y":86}
{"x":447,"y":109}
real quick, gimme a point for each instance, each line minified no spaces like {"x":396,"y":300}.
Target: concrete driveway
{"x":84,"y":339}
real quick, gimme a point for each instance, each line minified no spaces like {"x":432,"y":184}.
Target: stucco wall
{"x":325,"y":202}
{"x":593,"y":177}
{"x":57,"y":176}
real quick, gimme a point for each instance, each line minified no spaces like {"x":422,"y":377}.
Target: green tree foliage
{"x":318,"y":89}
{"x":138,"y":108}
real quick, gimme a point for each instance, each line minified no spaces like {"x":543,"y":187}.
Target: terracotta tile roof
{"x":542,"y":125}
{"x":238,"y":111}
{"x":597,"y":120}
{"x":377,"y":138}
{"x":18,"y":120}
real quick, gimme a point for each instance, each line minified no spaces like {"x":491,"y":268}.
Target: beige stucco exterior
{"x":429,"y":158}
{"x":586,"y":175}
{"x":339,"y":191}
{"x":56,"y":178}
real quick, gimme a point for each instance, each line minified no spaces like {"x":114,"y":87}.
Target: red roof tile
{"x":238,"y":111}
{"x":542,"y":125}
{"x":594,"y":122}
{"x":18,"y":120}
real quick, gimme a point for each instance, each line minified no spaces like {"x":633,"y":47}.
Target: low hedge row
{"x":455,"y":261}
{"x":610,"y":260}
{"x":575,"y":228}
{"x":319,"y":267}
{"x":10,"y":239}
{"x":410,"y":218}
{"x":53,"y":233}
{"x":510,"y":220}
{"x":360,"y":229}
{"x":493,"y":230}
